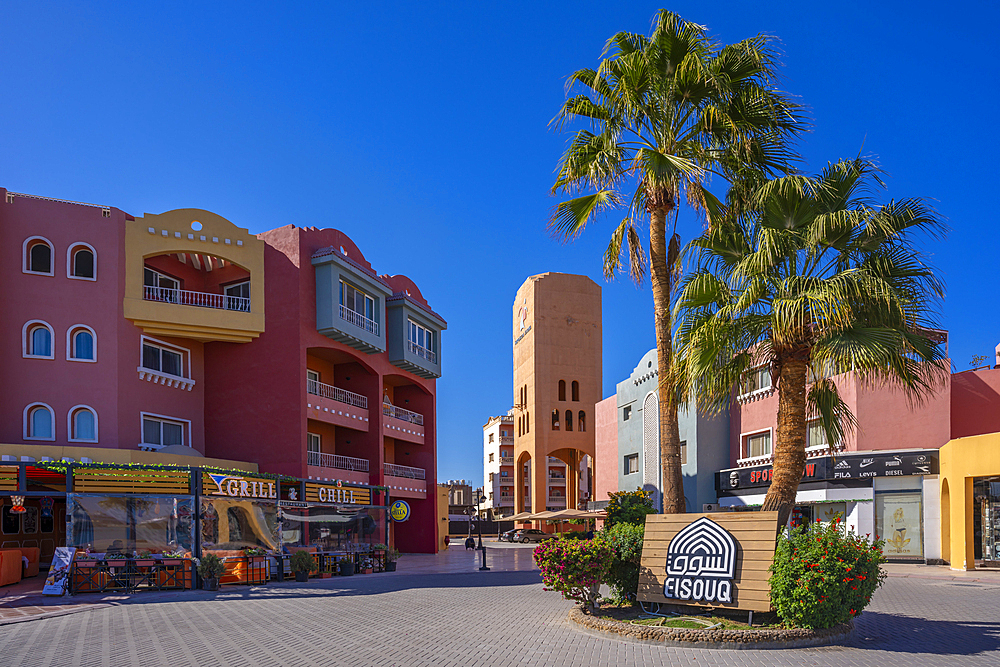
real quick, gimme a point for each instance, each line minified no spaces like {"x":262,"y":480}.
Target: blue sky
{"x":421,"y":131}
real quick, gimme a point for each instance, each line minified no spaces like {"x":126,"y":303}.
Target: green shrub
{"x":302,"y":561}
{"x":625,"y":542}
{"x":823,"y":576}
{"x":575,"y":568}
{"x":629,"y":507}
{"x":576,"y":535}
{"x":211,"y":567}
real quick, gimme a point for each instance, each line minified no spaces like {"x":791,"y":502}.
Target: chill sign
{"x":708,"y":560}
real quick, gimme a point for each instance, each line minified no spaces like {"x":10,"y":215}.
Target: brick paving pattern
{"x":450,"y":614}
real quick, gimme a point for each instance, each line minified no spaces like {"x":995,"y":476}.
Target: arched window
{"x":37,"y":341}
{"x":569,"y":420}
{"x":38,"y":422}
{"x":81,"y":344}
{"x":83,"y":424}
{"x":37,"y":256}
{"x":576,"y":390}
{"x":562,"y":390}
{"x":555,"y":420}
{"x":82,"y":262}
{"x":527,"y":422}
{"x":581,"y":421}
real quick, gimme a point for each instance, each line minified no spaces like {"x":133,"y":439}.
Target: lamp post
{"x":481,"y":499}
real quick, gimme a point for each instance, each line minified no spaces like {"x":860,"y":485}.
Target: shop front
{"x":892,"y":494}
{"x":970,"y":502}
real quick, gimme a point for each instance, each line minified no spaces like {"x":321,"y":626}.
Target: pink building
{"x":606,"y":448}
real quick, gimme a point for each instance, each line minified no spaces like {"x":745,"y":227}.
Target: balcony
{"x":506,"y":440}
{"x":402,"y":424}
{"x":336,"y":271}
{"x":405,"y":481}
{"x":193,"y":274}
{"x":506,"y":460}
{"x":338,"y":462}
{"x":358,"y":320}
{"x":507,"y":501}
{"x":413,"y":334}
{"x":336,"y":406}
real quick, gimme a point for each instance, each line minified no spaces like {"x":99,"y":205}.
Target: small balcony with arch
{"x":193,"y":274}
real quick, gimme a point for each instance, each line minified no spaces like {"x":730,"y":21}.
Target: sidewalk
{"x":941,"y":572}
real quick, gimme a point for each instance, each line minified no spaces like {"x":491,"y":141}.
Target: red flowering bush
{"x":823,"y":576}
{"x":575,"y":568}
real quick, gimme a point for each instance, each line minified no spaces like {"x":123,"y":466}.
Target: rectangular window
{"x":162,"y":359}
{"x":503,"y":473}
{"x":757,"y":379}
{"x":491,"y":457}
{"x":314,"y":443}
{"x":421,"y":336}
{"x":684,"y":452}
{"x":491,"y":477}
{"x":491,"y":440}
{"x":631,"y":464}
{"x":899,"y":520}
{"x":354,"y":299}
{"x":758,"y":444}
{"x":816,"y":434}
{"x":159,"y":287}
{"x":626,"y":413}
{"x":163,"y":432}
{"x":238,"y":296}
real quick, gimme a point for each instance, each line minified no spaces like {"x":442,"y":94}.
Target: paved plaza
{"x":440,"y":610}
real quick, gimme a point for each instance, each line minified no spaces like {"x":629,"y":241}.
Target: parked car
{"x":508,"y":536}
{"x":531,"y":535}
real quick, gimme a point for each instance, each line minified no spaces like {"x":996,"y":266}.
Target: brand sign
{"x":400,"y":510}
{"x":221,"y":484}
{"x":701,"y":561}
{"x":708,"y":560}
{"x":843,"y":467}
{"x":338,"y":494}
{"x":329,"y":494}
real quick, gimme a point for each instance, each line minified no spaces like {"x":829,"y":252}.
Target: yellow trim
{"x":168,"y":319}
{"x":108,"y":455}
{"x":962,"y":460}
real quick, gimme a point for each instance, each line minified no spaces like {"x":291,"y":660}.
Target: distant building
{"x":498,"y":464}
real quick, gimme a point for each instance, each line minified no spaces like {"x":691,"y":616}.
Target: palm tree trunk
{"x":790,"y":445}
{"x":670,"y":440}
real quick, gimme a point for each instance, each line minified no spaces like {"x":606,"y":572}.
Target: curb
{"x":717,"y":639}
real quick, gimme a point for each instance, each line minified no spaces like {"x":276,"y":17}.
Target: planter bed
{"x":616,"y":623}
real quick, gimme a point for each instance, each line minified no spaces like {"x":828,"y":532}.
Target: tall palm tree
{"x":814,"y":276}
{"x":664,"y":113}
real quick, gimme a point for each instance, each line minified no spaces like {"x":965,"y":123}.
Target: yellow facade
{"x":962,"y":460}
{"x":442,"y":511}
{"x":187,"y":233}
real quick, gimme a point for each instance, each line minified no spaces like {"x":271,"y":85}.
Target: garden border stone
{"x":720,"y":639}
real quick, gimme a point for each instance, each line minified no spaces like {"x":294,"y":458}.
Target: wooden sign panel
{"x":340,"y":495}
{"x":708,"y":560}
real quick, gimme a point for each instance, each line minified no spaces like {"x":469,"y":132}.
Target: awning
{"x":522,"y":517}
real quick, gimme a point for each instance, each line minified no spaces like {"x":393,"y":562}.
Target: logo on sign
{"x":843,"y":465}
{"x":701,"y":563}
{"x":867,"y":462}
{"x":240,"y":487}
{"x":400,"y":510}
{"x":331,"y":495}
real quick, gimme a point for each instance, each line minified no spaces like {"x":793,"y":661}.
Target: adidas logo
{"x":843,"y":465}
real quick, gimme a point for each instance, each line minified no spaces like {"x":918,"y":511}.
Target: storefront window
{"x":333,"y":528}
{"x":230,"y":524}
{"x":986,"y":518}
{"x":827,"y":512}
{"x":899,"y":521}
{"x":130,"y":524}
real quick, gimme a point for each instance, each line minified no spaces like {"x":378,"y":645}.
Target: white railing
{"x":421,"y":351}
{"x":358,"y":320}
{"x":200,"y":299}
{"x":401,"y":413}
{"x":506,"y":440}
{"x":337,"y":461}
{"x":318,"y":388}
{"x":507,"y":460}
{"x":394,"y":470}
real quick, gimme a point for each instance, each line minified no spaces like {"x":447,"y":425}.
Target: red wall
{"x":606,"y":448}
{"x":975,"y":402}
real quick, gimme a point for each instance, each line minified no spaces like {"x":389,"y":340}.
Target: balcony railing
{"x":394,"y":470}
{"x":337,"y":461}
{"x":506,"y":440}
{"x":318,"y":388}
{"x":401,"y":413}
{"x":199,"y":299}
{"x":507,"y":460}
{"x":422,"y":352}
{"x":358,"y":320}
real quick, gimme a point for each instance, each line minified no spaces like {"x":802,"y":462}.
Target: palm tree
{"x":666,"y":112}
{"x":814,"y":277}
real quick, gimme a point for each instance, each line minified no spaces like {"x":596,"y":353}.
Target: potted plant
{"x":173,"y":557}
{"x":145,"y":559}
{"x":367,"y":565}
{"x":379,"y":548}
{"x":301,"y":564}
{"x":347,"y":567}
{"x":210,"y":569}
{"x":391,"y":556}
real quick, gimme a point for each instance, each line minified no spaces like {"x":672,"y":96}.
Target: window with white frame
{"x":81,"y":343}
{"x":355,"y":300}
{"x":37,"y":256}
{"x":159,"y":286}
{"x":83,"y":424}
{"x":756,"y":380}
{"x":314,"y":443}
{"x":422,"y":341}
{"x":631,"y":464}
{"x":816,"y":434}
{"x":163,"y":358}
{"x":37,"y":341}
{"x":81,"y":262}
{"x":757,"y":444}
{"x":163,"y":431}
{"x":39,"y":422}
{"x":238,"y":296}
{"x":684,"y":452}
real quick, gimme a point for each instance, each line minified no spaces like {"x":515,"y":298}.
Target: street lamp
{"x":481,"y":499}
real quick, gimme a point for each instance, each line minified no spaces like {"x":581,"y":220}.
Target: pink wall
{"x":887,"y":420}
{"x":606,"y":447}
{"x":975,"y":402}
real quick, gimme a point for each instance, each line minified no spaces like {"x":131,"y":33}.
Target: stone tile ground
{"x":444,"y":612}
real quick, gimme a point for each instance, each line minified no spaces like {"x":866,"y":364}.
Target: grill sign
{"x":241,"y":487}
{"x":701,"y":562}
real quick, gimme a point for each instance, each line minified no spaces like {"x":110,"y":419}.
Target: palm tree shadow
{"x":907,"y":634}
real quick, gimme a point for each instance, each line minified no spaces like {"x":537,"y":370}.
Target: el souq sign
{"x":708,"y":560}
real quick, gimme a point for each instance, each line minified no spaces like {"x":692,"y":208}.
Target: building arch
{"x":81,"y":424}
{"x":37,"y":253}
{"x":576,"y":391}
{"x":81,"y":261}
{"x":651,"y":445}
{"x":562,"y":390}
{"x":39,"y":422}
{"x":38,"y":340}
{"x":581,"y":421}
{"x":569,"y":420}
{"x":76,"y":343}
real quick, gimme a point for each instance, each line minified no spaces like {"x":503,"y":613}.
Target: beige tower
{"x":557,"y":382}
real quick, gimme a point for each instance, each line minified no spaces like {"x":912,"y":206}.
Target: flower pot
{"x":390,"y":567}
{"x":346,"y":568}
{"x":367,"y":570}
{"x":302,"y":576}
{"x":210,"y":584}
